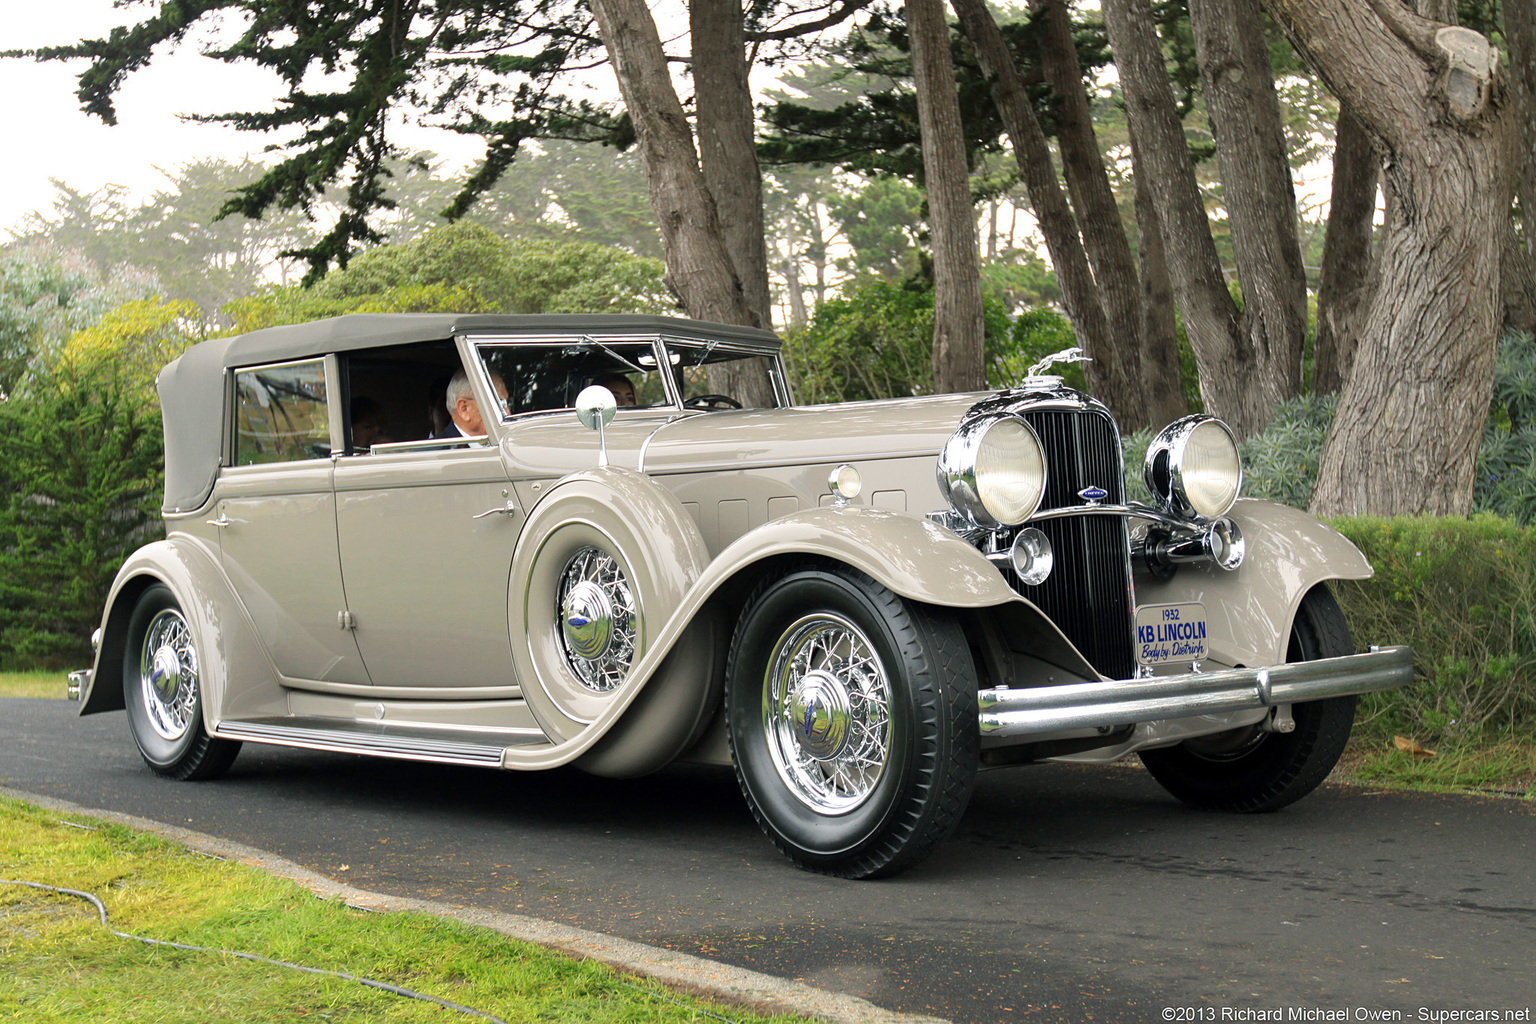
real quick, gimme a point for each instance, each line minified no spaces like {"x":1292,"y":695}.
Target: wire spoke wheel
{"x":851,"y":714}
{"x":168,"y":675}
{"x":826,"y":711}
{"x":163,"y":691}
{"x":597,"y":613}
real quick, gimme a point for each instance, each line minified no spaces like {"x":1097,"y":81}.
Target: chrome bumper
{"x":1046,"y":709}
{"x":77,"y":681}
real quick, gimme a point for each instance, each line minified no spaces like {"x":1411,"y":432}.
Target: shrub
{"x":82,"y":467}
{"x":1462,"y":593}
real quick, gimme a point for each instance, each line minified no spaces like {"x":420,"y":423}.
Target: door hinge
{"x":346,"y":620}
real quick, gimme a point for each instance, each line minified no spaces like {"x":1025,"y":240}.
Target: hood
{"x":864,"y":430}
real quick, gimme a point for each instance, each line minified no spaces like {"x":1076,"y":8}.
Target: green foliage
{"x":883,"y":223}
{"x":1506,"y":461}
{"x":1281,"y":463}
{"x":466,"y":268}
{"x":81,"y":466}
{"x":875,"y":340}
{"x":1462,"y":593}
{"x":47,"y":293}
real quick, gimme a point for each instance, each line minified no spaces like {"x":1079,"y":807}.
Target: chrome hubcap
{"x":598,"y":617}
{"x":168,"y":675}
{"x":826,"y":712}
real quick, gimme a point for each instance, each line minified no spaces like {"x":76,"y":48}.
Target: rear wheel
{"x":1251,"y":769}
{"x":162,"y":690}
{"x":852,"y":720}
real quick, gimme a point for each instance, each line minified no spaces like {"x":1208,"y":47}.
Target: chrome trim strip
{"x":1043,"y":709}
{"x":378,"y":741}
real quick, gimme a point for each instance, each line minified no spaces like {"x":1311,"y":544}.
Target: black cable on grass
{"x":384,"y":986}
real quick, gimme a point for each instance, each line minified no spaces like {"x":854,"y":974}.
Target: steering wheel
{"x":711,"y":402}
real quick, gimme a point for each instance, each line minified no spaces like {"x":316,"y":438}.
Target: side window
{"x":543,"y":377}
{"x":281,"y":414}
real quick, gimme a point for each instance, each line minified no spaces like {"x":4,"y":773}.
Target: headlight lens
{"x":1193,"y":467}
{"x":992,"y":471}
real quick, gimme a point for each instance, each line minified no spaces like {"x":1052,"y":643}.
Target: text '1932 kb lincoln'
{"x":524,"y":542}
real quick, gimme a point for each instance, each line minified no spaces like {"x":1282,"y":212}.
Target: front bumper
{"x":77,"y":683}
{"x":1038,"y":710}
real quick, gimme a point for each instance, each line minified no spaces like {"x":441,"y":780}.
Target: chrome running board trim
{"x":1045,"y":709}
{"x":411,"y":743}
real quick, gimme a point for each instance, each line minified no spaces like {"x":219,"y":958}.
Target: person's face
{"x":467,"y":411}
{"x":366,"y":431}
{"x":623,"y":392}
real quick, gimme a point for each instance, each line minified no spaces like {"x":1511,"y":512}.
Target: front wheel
{"x":852,"y":721}
{"x":1250,"y":769}
{"x":162,"y":690}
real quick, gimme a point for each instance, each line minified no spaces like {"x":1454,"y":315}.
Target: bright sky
{"x":48,"y":136}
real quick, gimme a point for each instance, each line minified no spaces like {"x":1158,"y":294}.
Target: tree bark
{"x":1098,"y":213}
{"x":1159,"y":332}
{"x":1343,"y":291}
{"x":1229,"y":370}
{"x":1520,"y":261}
{"x":1410,"y":415}
{"x":698,"y":263}
{"x":958,"y":323}
{"x":1112,"y":372}
{"x":1239,"y":87}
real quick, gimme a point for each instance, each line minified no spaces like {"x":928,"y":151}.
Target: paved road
{"x":1067,"y":894}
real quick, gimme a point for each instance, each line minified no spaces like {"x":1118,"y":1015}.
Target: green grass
{"x":33,"y":684}
{"x":1504,"y":767}
{"x":58,"y":964}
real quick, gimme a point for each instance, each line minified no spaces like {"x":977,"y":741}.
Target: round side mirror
{"x":595,"y":407}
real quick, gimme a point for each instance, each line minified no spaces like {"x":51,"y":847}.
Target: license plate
{"x":1170,"y":633}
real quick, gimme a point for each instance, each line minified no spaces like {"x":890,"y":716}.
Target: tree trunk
{"x":958,"y":324}
{"x":1098,"y":214}
{"x":727,"y":135}
{"x":1239,"y":87}
{"x":1411,"y":413}
{"x":1342,"y":292}
{"x":1159,"y":332}
{"x":1229,"y":370}
{"x":1112,"y":373}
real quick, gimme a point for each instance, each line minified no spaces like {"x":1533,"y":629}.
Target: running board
{"x":476,"y":747}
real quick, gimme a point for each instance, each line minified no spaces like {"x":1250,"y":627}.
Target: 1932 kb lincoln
{"x":532,"y":541}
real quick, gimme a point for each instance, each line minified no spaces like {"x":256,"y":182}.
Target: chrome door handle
{"x":222,"y":521}
{"x":506,"y":510}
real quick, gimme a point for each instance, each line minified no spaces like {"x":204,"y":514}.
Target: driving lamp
{"x":992,"y":471}
{"x":1193,"y":467}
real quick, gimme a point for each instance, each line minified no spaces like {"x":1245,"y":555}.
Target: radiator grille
{"x":1088,"y":594}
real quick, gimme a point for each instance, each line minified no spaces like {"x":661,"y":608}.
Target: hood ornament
{"x":1074,"y":354}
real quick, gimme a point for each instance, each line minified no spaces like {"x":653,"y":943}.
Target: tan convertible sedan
{"x":615,"y":543}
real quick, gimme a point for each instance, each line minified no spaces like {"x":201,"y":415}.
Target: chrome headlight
{"x":992,"y":470}
{"x":1193,"y":468}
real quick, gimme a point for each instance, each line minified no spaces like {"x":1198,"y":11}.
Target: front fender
{"x":913,"y":557}
{"x":1250,"y":609}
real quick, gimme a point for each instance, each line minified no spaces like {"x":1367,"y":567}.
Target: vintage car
{"x":858,"y":606}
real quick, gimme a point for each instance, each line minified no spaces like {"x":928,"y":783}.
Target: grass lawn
{"x":57,"y":963}
{"x":33,"y":684}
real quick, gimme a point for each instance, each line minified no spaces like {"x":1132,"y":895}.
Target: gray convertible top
{"x":192,"y":386}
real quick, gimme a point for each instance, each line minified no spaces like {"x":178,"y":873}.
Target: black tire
{"x":1250,"y":770}
{"x":853,"y":792}
{"x":162,"y":690}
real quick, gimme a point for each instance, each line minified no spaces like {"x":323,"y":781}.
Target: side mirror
{"x":595,"y":409}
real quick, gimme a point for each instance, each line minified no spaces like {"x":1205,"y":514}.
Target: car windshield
{"x":543,"y":377}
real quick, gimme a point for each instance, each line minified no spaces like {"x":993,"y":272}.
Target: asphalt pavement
{"x":1068,"y":893}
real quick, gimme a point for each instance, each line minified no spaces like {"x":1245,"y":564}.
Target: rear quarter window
{"x":281,"y":414}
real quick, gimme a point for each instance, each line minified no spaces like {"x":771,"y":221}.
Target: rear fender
{"x":227,"y":643}
{"x":1250,"y":609}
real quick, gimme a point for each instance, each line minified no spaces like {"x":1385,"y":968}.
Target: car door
{"x":277,"y":520}
{"x":426,"y":535}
